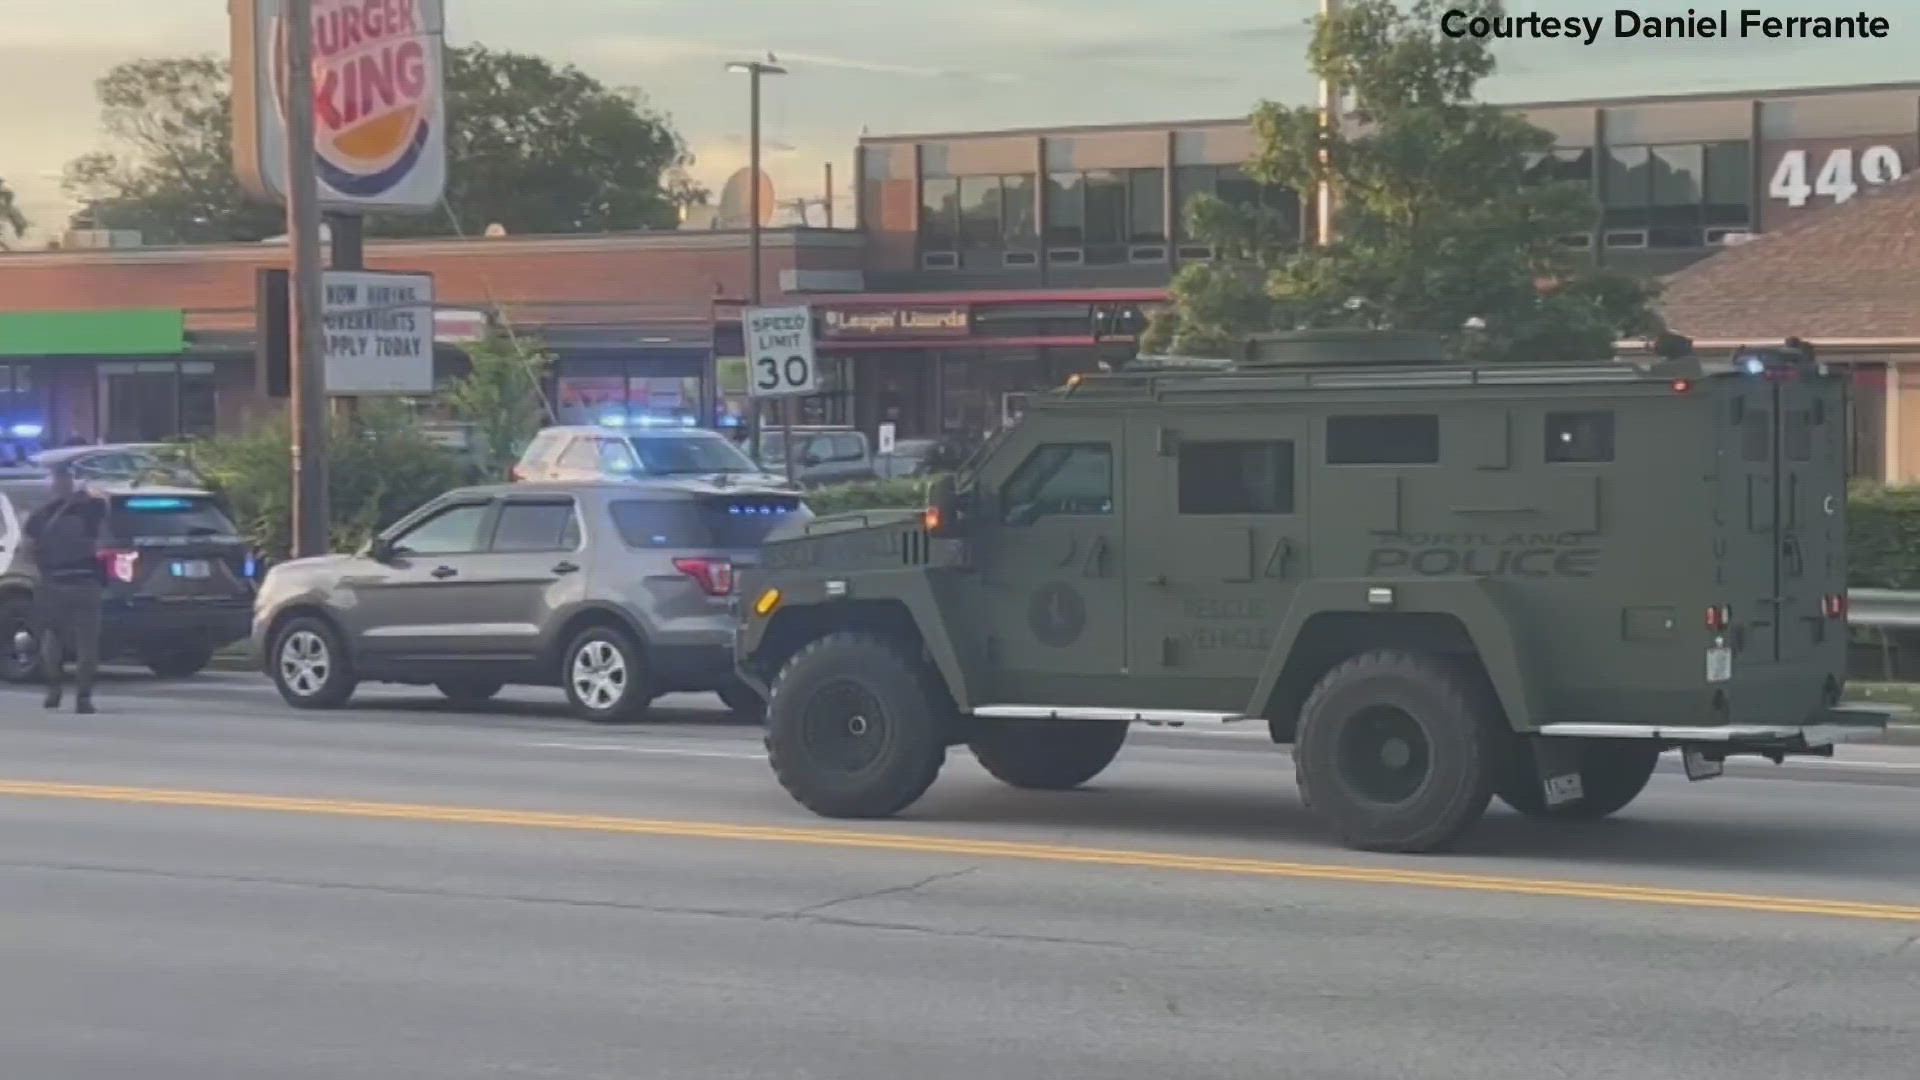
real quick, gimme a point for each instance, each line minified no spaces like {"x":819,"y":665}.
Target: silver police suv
{"x":617,"y":592}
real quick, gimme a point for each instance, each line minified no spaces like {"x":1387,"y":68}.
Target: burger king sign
{"x":379,"y":105}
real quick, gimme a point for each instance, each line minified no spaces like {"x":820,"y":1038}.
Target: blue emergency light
{"x":155,"y":502}
{"x":25,"y":431}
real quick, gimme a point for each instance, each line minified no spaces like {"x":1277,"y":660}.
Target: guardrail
{"x":1883,"y":608}
{"x":1885,"y":645}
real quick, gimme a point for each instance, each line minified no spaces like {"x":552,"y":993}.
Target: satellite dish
{"x":736,"y":199}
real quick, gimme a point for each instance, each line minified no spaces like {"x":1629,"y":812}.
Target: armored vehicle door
{"x":1780,"y":547}
{"x":1217,"y":524}
{"x":1052,"y":561}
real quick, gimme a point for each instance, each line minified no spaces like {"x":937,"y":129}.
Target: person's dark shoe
{"x":53,"y":699}
{"x":84,"y":707}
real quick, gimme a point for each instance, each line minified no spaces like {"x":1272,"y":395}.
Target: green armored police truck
{"x":1441,"y":583}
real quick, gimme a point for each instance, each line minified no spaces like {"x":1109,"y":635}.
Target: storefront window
{"x":158,"y":400}
{"x":980,"y":389}
{"x":586,"y":399}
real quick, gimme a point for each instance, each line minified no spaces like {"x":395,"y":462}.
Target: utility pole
{"x":311,"y":530}
{"x":754,"y":69}
{"x":1330,"y":125}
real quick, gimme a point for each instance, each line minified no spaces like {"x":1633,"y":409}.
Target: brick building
{"x":978,"y":270}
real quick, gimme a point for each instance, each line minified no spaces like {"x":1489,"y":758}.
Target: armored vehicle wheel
{"x":856,"y":728}
{"x":1613,"y":772}
{"x":469,"y":693}
{"x":1048,"y":755}
{"x":1396,"y":752}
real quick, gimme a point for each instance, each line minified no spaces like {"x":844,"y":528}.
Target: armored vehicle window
{"x":1236,"y":477}
{"x":1061,"y":478}
{"x":1579,"y":437}
{"x":537,"y":526}
{"x":1410,"y":439}
{"x":1796,"y":435}
{"x":1756,"y":435}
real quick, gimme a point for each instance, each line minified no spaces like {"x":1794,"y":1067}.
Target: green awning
{"x":127,"y":332}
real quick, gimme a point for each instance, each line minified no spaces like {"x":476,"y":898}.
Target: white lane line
{"x":620,"y":748}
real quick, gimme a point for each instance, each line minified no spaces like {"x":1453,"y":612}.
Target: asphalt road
{"x":200,"y":884}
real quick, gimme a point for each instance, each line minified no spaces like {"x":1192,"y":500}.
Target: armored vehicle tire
{"x":744,"y":702}
{"x":468,"y":693}
{"x":605,"y":676}
{"x":856,"y":728}
{"x":309,"y":665}
{"x":182,"y":662}
{"x":1397,"y":752}
{"x":1613,"y":772}
{"x":1047,"y":755}
{"x":19,"y":661}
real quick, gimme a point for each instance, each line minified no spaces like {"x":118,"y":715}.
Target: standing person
{"x":66,"y":543}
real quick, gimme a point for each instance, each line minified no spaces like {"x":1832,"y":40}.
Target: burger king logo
{"x":376,"y":83}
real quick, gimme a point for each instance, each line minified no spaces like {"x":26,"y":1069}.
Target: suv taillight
{"x":715,"y":576}
{"x":1834,"y":606}
{"x":1719,"y":618}
{"x":119,"y":563}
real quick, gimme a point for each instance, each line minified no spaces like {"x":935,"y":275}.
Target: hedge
{"x":1883,"y":538}
{"x":1883,"y":525}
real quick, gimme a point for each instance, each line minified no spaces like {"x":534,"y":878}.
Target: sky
{"x":896,"y":66}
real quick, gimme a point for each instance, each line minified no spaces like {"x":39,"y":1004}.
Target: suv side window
{"x":1060,"y":479}
{"x":453,"y":531}
{"x":550,"y":525}
{"x":616,"y":457}
{"x":580,"y":454}
{"x":540,"y":451}
{"x":847,"y":448}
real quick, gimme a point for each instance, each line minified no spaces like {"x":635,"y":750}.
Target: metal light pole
{"x":1330,"y":124}
{"x":754,"y":70}
{"x":311,"y":534}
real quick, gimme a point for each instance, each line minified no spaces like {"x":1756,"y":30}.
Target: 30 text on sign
{"x":379,"y":332}
{"x":780,"y":360}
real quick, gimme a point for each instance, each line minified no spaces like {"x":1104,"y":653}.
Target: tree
{"x":380,"y":466}
{"x":11,"y":219}
{"x":532,"y":147}
{"x":501,"y":397}
{"x":1441,"y":216}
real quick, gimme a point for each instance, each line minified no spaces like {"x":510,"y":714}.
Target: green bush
{"x":1883,"y":538}
{"x":906,"y":493}
{"x":379,"y":466}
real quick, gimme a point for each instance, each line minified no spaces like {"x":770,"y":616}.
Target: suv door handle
{"x":444,"y":571}
{"x":565,"y":568}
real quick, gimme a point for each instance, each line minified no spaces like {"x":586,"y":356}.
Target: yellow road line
{"x":947,"y":845}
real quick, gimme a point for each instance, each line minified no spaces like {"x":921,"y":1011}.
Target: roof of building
{"x":1848,"y":273}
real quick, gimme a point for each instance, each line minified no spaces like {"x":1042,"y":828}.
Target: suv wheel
{"x":1047,"y":755}
{"x":744,"y":701}
{"x":855,"y":728}
{"x":469,"y":693}
{"x":19,"y":648}
{"x":605,"y":676}
{"x":1397,"y":752}
{"x":1613,"y":772}
{"x":179,"y":662}
{"x":310,"y":666}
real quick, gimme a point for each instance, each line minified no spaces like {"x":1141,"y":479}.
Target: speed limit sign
{"x":780,"y":352}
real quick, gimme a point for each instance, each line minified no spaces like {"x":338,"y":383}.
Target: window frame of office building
{"x":1676,"y":193}
{"x":1190,"y":181}
{"x":1106,"y":213}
